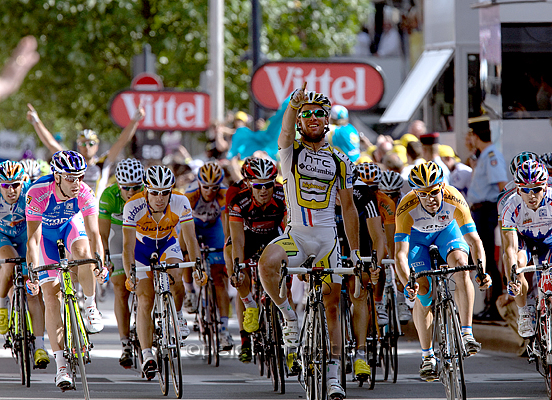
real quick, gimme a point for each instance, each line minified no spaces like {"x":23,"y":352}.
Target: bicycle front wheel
{"x":161,"y":353}
{"x":346,"y":337}
{"x":453,"y":365}
{"x":392,"y":355}
{"x":279,"y":353}
{"x":173,"y":343}
{"x":319,"y":349}
{"x":213,"y":323}
{"x":78,"y":349}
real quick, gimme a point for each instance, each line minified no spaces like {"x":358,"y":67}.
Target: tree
{"x":86,"y":48}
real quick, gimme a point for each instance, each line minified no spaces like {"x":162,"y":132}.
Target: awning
{"x":415,"y":88}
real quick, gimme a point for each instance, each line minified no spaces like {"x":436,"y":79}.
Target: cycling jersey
{"x":386,"y":207}
{"x":233,"y":190}
{"x":205,"y":213}
{"x":311,"y":180}
{"x":346,"y":139}
{"x":505,"y":194}
{"x":12,"y":216}
{"x":111,"y":208}
{"x":44,"y":205}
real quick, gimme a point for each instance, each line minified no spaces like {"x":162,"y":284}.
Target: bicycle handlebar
{"x":444,"y":271}
{"x":14,"y":260}
{"x":532,"y":268}
{"x":162,"y":266}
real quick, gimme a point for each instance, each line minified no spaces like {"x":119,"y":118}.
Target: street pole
{"x":256,"y":23}
{"x":216,"y":59}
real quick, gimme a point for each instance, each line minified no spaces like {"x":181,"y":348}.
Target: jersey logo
{"x":542,"y":212}
{"x":406,"y":206}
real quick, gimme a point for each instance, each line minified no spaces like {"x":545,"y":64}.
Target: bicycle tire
{"x":173,"y":344}
{"x":278,"y":341}
{"x":392,"y":356}
{"x":371,"y":339}
{"x":455,"y":383}
{"x":161,"y":356}
{"x":78,"y":348}
{"x":545,"y":337}
{"x":319,"y":349}
{"x":270,"y":351}
{"x":26,"y":348}
{"x":258,"y":342}
{"x":213,"y":323}
{"x":344,"y":321}
{"x":133,"y":336}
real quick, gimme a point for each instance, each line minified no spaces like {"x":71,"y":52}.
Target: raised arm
{"x":287,"y":135}
{"x":43,"y":133}
{"x":23,"y":58}
{"x":125,"y":135}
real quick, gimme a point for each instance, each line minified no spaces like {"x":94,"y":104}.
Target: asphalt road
{"x":489,"y":375}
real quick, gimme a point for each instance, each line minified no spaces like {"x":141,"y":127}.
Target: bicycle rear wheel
{"x":454,"y":381}
{"x":270,"y":350}
{"x":371,"y":339}
{"x":133,"y":335}
{"x":279,"y":353}
{"x":78,"y":349}
{"x":258,"y":341}
{"x":173,"y":344}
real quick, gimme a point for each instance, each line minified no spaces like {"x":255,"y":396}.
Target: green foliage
{"x":86,"y":48}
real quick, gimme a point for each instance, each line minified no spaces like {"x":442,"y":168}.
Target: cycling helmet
{"x":520,"y":159}
{"x":88,"y":134}
{"x":32,"y":168}
{"x":68,"y":162}
{"x":391,"y":181}
{"x":244,"y":167}
{"x":319,"y":99}
{"x":128,"y":171}
{"x":546,"y":159}
{"x":210,"y":174}
{"x":11,"y":171}
{"x":425,"y":175}
{"x":339,"y":113}
{"x":159,"y":177}
{"x":260,"y":168}
{"x":531,"y":172}
{"x":370,"y":173}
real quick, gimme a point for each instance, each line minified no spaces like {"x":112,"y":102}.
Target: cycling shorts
{"x":446,"y":240}
{"x":143,"y":252}
{"x":301,"y":241}
{"x":70,"y":232}
{"x":213,"y":236}
{"x":116,"y":247}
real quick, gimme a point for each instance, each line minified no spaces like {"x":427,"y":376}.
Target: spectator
{"x":414,"y":157}
{"x":392,"y":162}
{"x":417,"y":128}
{"x":390,"y":41}
{"x":489,"y":178}
{"x":430,"y":152}
{"x":22,"y":59}
{"x":383,"y":145}
{"x":343,"y":135}
{"x":460,"y":174}
{"x":363,"y":43}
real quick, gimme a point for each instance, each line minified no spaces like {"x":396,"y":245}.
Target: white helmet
{"x":129,"y":171}
{"x":159,"y":177}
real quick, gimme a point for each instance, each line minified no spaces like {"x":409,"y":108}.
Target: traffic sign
{"x":147,"y":81}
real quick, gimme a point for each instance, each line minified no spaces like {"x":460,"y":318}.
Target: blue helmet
{"x":68,"y":162}
{"x":339,"y":113}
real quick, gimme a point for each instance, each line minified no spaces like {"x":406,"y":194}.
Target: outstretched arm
{"x":23,"y":58}
{"x":43,"y":133}
{"x":287,"y":135}
{"x":126,"y":135}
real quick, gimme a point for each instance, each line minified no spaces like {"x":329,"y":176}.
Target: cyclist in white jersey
{"x":314,"y":174}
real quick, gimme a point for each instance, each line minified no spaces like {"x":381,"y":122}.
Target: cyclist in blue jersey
{"x":343,"y":135}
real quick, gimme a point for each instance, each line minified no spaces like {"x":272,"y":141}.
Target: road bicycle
{"x":77,"y":346}
{"x":207,"y":317}
{"x":447,"y":335}
{"x":314,"y":342}
{"x":267,"y":341}
{"x":20,"y":337}
{"x":166,"y":334}
{"x":540,"y":345}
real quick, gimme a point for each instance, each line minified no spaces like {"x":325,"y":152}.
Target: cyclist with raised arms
{"x":314,"y":174}
{"x":33,"y":168}
{"x":129,"y":174}
{"x":207,"y":196}
{"x":61,"y":205}
{"x":14,"y":184}
{"x":257,"y":215}
{"x":434,"y":213}
{"x":527,"y":228}
{"x":150,"y":219}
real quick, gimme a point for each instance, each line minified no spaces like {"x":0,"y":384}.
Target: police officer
{"x":489,"y":178}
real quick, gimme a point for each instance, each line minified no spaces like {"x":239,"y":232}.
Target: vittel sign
{"x":353,"y":84}
{"x":165,"y":110}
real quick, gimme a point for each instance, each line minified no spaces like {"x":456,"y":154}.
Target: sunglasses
{"x":434,"y":193}
{"x":159,"y":192}
{"x":317,"y":113}
{"x":13,"y":185}
{"x":89,"y":143}
{"x":526,"y":190}
{"x":129,"y":188}
{"x":261,"y":186}
{"x":212,"y":187}
{"x":73,"y":178}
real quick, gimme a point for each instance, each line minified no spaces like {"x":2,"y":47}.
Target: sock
{"x":223,"y":324}
{"x":39,"y":342}
{"x":60,"y":360}
{"x":427,"y":352}
{"x":244,"y":335}
{"x":287,"y":311}
{"x":125,"y":342}
{"x":526,"y":309}
{"x":333,"y":369}
{"x":248,"y":301}
{"x":189,"y":286}
{"x":4,"y":302}
{"x":89,"y":301}
{"x":147,"y":353}
{"x":180,"y":315}
{"x":467,"y":330}
{"x":360,"y":354}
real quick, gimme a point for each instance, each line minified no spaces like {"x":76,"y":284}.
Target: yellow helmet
{"x":425,"y":175}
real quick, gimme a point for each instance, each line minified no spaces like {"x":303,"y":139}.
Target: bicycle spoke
{"x":78,"y":348}
{"x":173,"y":343}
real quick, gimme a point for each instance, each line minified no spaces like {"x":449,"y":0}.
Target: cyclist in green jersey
{"x":129,"y":174}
